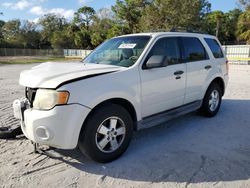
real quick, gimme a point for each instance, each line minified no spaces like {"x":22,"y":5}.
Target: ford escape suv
{"x":128,"y":83}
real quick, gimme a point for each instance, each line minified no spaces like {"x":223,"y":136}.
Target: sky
{"x":34,"y":9}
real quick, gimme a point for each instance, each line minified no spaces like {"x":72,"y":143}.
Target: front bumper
{"x":59,"y":127}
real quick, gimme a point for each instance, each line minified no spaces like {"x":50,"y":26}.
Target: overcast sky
{"x":34,"y":9}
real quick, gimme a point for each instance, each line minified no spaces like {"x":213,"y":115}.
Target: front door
{"x":163,"y":88}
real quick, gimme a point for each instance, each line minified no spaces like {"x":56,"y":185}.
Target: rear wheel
{"x":107,"y":133}
{"x":212,"y":101}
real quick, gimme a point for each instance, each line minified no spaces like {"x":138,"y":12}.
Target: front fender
{"x":93,"y":91}
{"x":118,"y":94}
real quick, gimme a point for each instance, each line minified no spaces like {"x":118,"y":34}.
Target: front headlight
{"x":46,"y":99}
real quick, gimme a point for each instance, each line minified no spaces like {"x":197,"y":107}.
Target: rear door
{"x":198,"y":67}
{"x":163,"y":88}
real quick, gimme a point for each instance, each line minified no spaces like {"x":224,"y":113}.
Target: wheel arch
{"x":118,"y":101}
{"x":217,"y":80}
{"x":220,"y":82}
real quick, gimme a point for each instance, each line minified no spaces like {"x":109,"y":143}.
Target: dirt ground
{"x":190,"y":151}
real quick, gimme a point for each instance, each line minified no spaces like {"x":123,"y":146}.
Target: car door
{"x":163,"y":88}
{"x":198,"y":67}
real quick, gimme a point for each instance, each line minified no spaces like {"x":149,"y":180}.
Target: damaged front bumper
{"x":59,"y":127}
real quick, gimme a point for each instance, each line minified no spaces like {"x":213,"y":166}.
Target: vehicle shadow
{"x":189,"y":149}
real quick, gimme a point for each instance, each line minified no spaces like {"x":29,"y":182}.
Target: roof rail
{"x":187,"y":30}
{"x":157,"y":30}
{"x":178,"y":29}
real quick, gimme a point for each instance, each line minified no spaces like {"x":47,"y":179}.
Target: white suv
{"x":128,"y":83}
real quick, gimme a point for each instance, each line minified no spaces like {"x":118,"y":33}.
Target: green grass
{"x":35,"y":60}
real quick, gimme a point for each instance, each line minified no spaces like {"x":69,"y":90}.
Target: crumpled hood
{"x":53,"y":74}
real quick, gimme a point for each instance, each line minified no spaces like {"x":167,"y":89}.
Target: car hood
{"x":53,"y":74}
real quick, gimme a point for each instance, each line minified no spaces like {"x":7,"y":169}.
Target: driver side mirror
{"x":156,"y":61}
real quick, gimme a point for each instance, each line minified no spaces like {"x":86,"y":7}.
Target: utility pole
{"x":217,"y":27}
{"x":218,"y":21}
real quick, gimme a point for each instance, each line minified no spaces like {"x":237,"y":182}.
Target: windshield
{"x":121,"y":51}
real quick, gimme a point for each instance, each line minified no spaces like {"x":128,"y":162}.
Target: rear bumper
{"x":59,"y":127}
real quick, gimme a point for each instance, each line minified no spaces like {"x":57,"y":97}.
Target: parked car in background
{"x":128,"y":83}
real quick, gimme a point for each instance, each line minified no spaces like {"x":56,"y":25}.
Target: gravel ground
{"x":190,"y":151}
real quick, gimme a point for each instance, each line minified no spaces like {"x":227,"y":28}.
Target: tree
{"x":29,"y":35}
{"x":229,"y":26}
{"x":167,"y":14}
{"x":243,"y":27}
{"x":19,"y":34}
{"x":84,"y":16}
{"x":82,"y":20}
{"x":222,"y":24}
{"x":71,"y":31}
{"x":60,"y":40}
{"x":11,"y":31}
{"x":130,"y":12}
{"x":51,"y":23}
{"x":245,"y":3}
{"x":100,"y":30}
{"x":101,"y":26}
{"x":89,"y":28}
{"x":117,"y":29}
{"x":218,"y":18}
{"x":2,"y":23}
{"x":1,"y":34}
{"x":105,"y":13}
{"x":82,"y":39}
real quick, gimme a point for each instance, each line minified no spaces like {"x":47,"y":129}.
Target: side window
{"x":214,"y":47}
{"x":193,"y":49}
{"x":167,"y":47}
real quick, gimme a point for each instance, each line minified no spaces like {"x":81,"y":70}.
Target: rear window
{"x":214,"y":47}
{"x":193,"y":49}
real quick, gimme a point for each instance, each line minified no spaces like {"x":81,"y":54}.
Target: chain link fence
{"x":31,"y":52}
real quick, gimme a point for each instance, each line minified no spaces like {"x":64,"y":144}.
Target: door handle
{"x":208,"y":67}
{"x":178,"y":73}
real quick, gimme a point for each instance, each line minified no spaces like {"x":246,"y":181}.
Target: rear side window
{"x":214,"y":47}
{"x":193,"y":49}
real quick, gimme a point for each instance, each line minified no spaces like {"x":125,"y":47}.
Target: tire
{"x":207,"y":109}
{"x":106,"y":134}
{"x":7,"y":133}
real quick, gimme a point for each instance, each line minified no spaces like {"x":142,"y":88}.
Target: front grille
{"x":30,"y":94}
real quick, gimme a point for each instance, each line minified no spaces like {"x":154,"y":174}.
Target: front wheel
{"x":106,"y":133}
{"x":212,"y":101}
